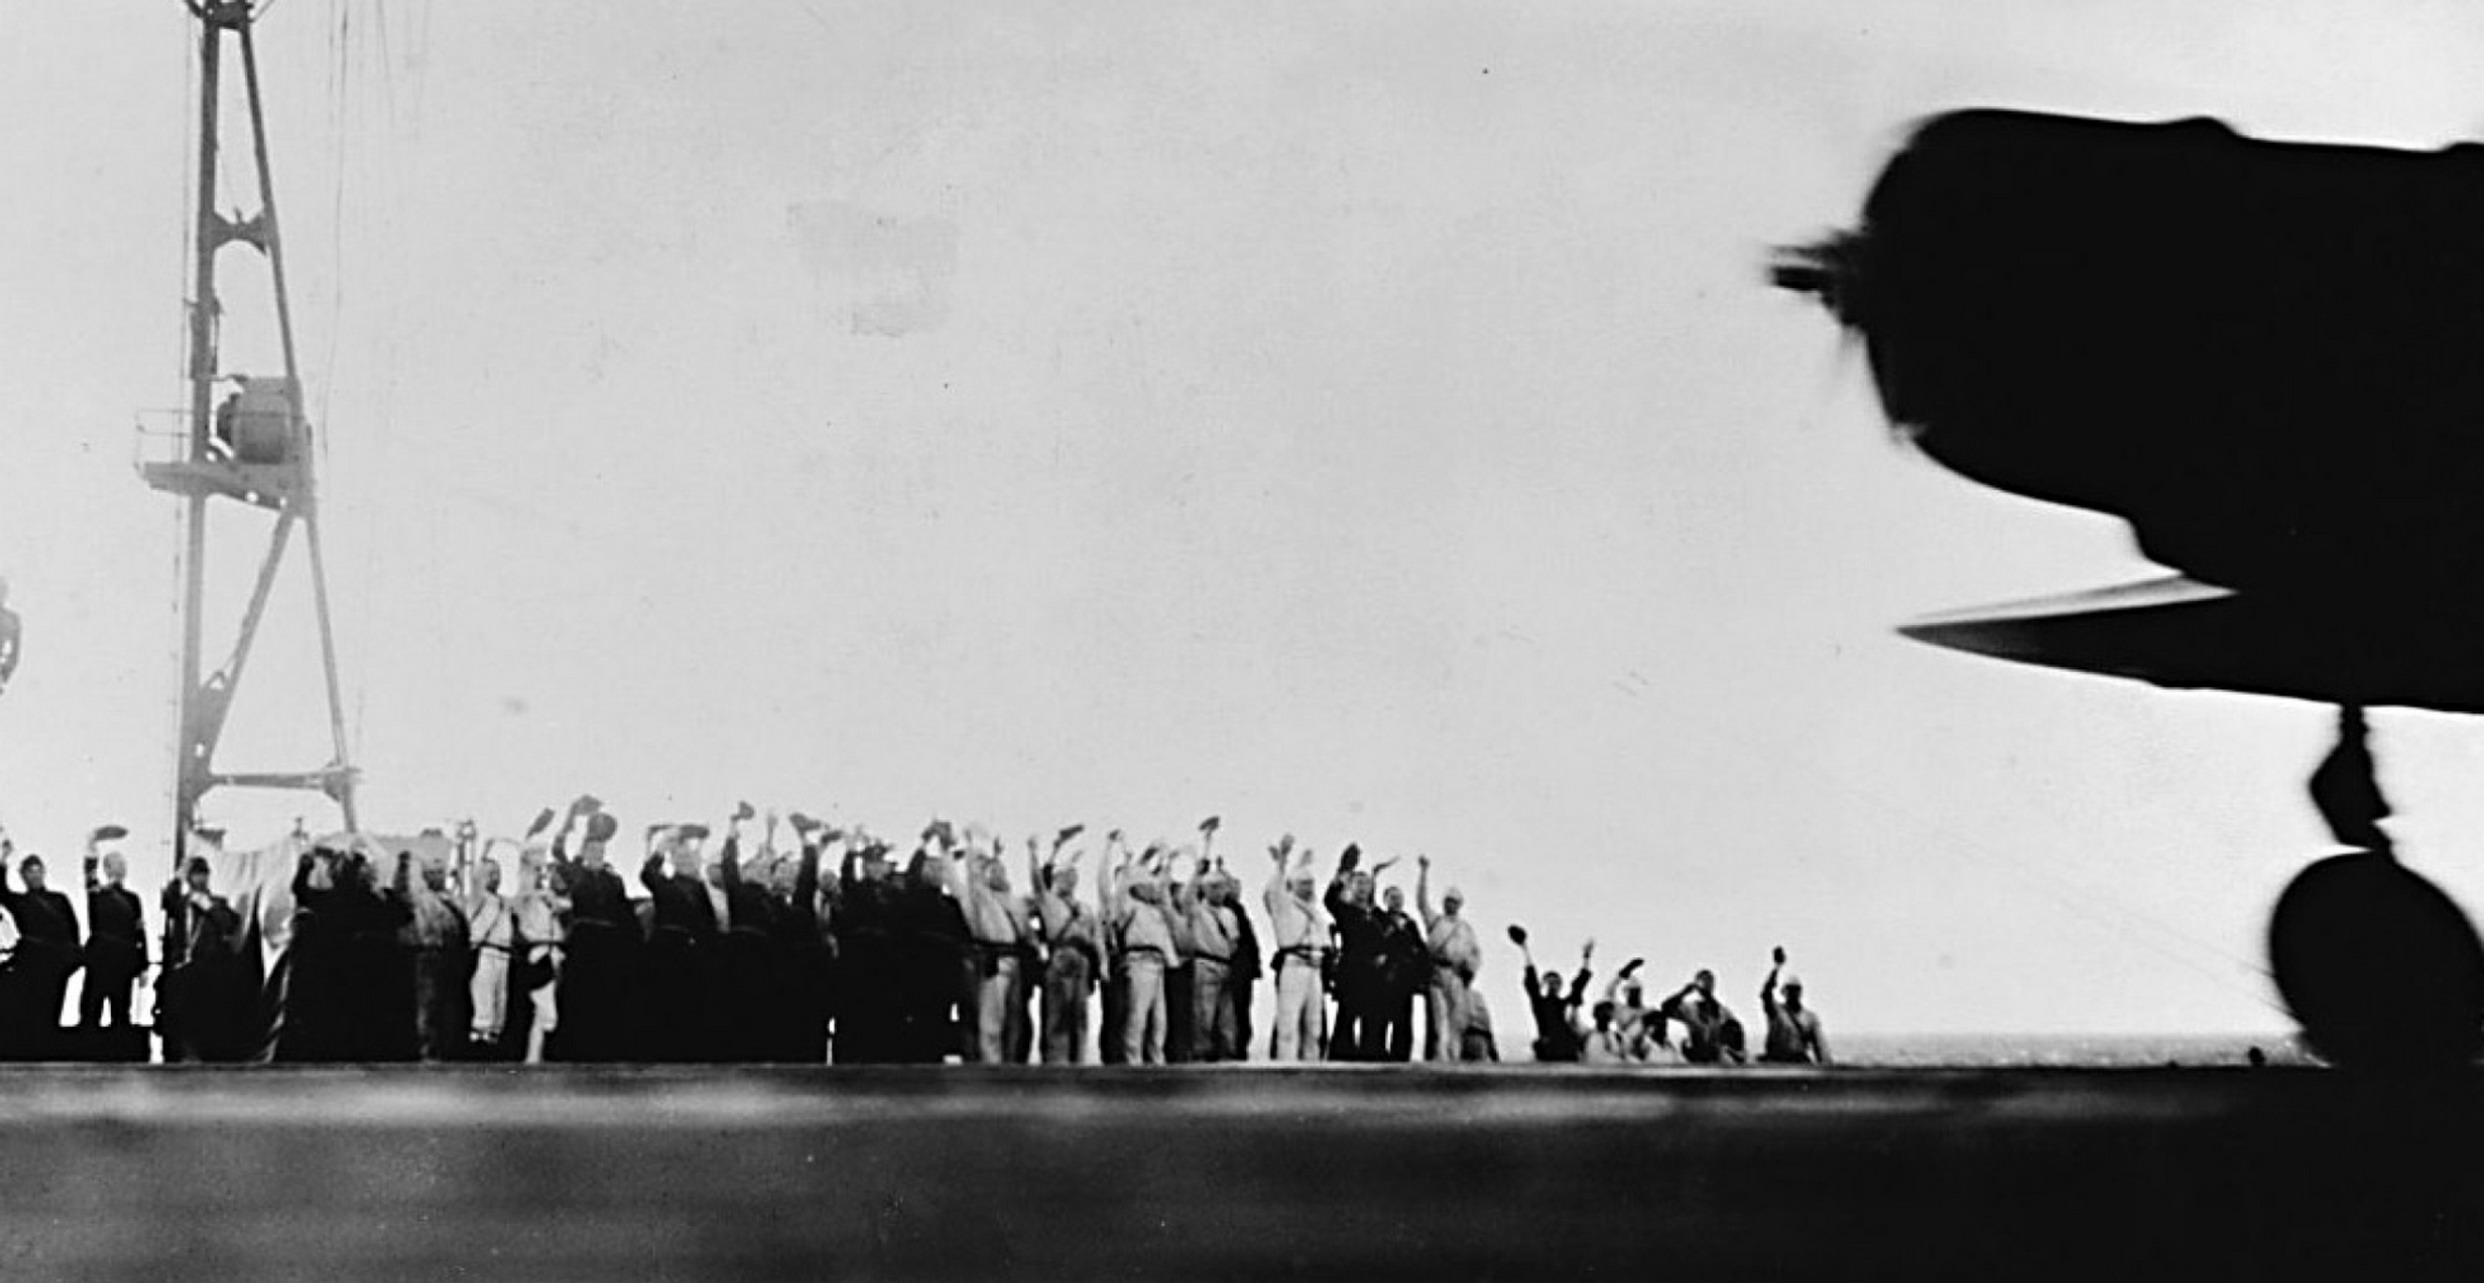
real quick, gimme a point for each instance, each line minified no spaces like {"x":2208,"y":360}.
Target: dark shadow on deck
{"x":1518,"y":1173}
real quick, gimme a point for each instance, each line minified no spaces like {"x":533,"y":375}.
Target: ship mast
{"x":252,"y":446}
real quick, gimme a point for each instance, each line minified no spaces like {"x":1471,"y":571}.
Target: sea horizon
{"x":2064,"y":1050}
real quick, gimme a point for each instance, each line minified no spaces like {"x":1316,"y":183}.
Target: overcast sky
{"x":1366,"y":421}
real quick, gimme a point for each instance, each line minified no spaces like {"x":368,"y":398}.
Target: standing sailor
{"x":1074,"y":944}
{"x":1300,"y":937}
{"x":492,"y":927}
{"x":116,"y":948}
{"x":1455,"y":957}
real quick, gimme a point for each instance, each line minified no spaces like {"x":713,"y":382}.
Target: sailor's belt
{"x":495,"y":948}
{"x":1150,"y":950}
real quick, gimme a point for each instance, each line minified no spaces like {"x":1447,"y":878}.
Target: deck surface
{"x":1514,"y":1173}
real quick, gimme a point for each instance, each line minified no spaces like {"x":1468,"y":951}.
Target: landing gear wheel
{"x":2380,"y":967}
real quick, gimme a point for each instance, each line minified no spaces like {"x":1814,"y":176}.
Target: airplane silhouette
{"x":2268,"y":358}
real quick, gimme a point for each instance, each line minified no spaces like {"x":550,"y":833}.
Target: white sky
{"x":1360,"y":420}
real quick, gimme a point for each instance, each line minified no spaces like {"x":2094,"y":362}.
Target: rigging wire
{"x":176,"y":518}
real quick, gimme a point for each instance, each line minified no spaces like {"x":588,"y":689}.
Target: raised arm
{"x":1578,"y":985}
{"x":1529,"y":977}
{"x":1334,"y":899}
{"x":1109,"y":874}
{"x":1423,"y":895}
{"x":1612,"y":987}
{"x":731,"y":856}
{"x":1186,"y":897}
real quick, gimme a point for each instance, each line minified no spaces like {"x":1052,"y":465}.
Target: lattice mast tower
{"x":251,"y":446}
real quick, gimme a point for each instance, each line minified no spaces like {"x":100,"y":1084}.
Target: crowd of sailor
{"x":802,"y":942}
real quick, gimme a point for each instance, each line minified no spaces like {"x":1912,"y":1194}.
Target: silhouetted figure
{"x":348,"y":983}
{"x":1248,"y":966}
{"x":870,"y":1003}
{"x":750,"y":1005}
{"x":597,"y":991}
{"x":1555,"y":1010}
{"x":38,"y":972}
{"x":384,"y":997}
{"x":691,"y":912}
{"x":116,"y":935}
{"x":936,"y":967}
{"x":1361,"y":965}
{"x":311,"y":984}
{"x":202,"y":1000}
{"x":1405,"y":964}
{"x":804,"y":957}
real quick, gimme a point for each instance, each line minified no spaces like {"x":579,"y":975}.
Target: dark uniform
{"x":1406,"y":964}
{"x":1556,"y":1027}
{"x":799,"y":944}
{"x":1247,"y":968}
{"x":681,"y":965}
{"x":749,"y":1005}
{"x":1362,"y":975}
{"x":116,"y":952}
{"x":38,"y":975}
{"x":870,"y":1007}
{"x":597,"y":990}
{"x":202,"y":1001}
{"x":936,"y":968}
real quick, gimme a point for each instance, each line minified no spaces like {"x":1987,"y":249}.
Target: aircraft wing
{"x":2176,"y":632}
